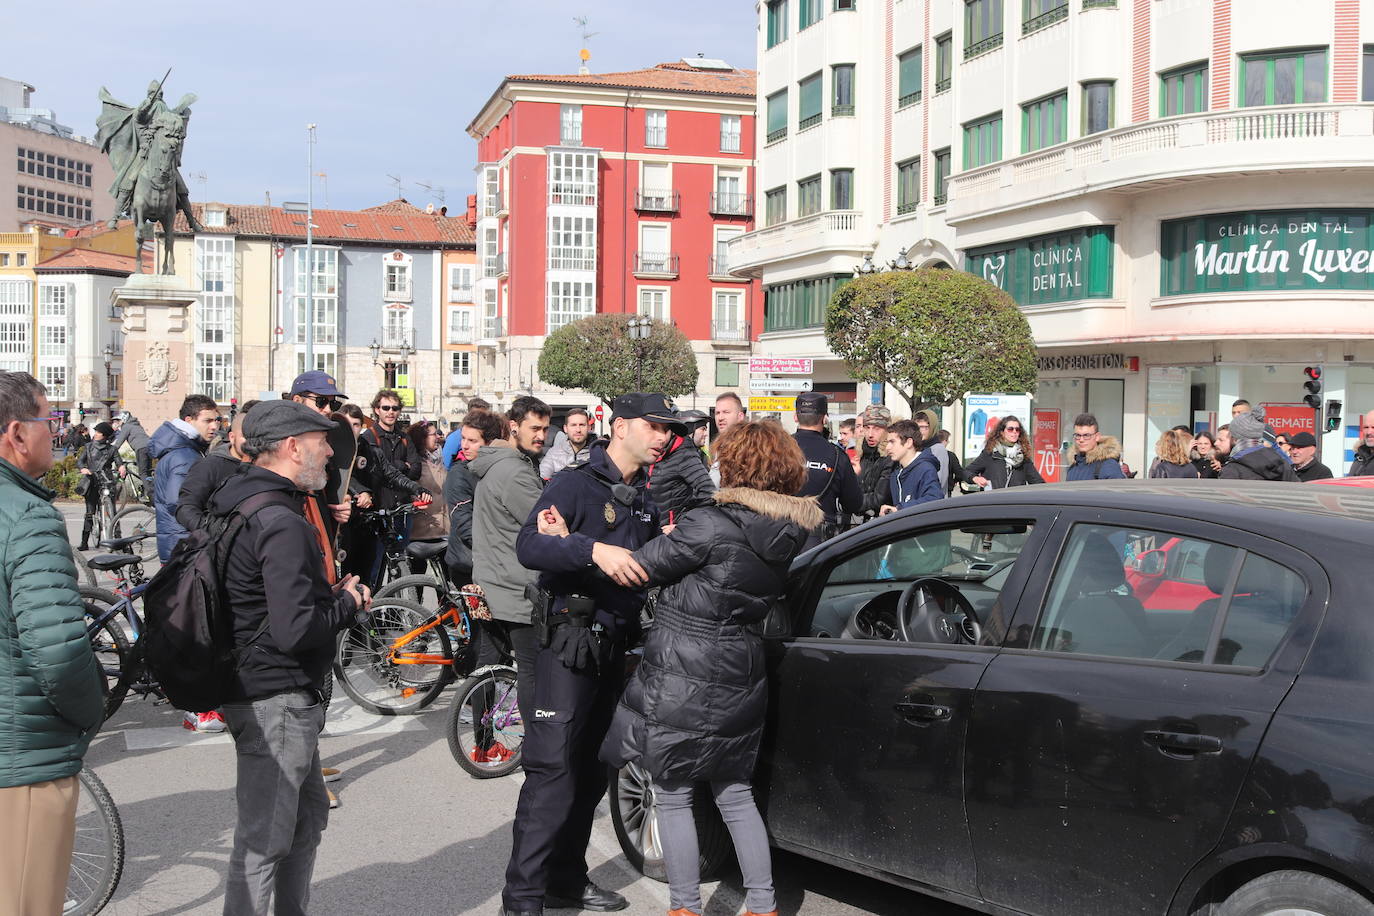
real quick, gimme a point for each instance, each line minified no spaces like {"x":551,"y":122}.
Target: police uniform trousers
{"x":564,"y":777}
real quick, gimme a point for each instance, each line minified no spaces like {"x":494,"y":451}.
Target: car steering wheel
{"x":920,"y":618}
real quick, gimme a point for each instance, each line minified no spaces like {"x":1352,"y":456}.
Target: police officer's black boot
{"x":591,"y":897}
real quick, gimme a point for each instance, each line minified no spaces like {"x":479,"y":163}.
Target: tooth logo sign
{"x":993,"y":269}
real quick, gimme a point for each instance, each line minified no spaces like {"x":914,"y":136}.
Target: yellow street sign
{"x":772,"y":405}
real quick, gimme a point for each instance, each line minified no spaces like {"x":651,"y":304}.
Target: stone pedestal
{"x":157,"y":346}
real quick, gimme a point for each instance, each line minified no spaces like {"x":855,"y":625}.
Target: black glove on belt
{"x":577,"y":647}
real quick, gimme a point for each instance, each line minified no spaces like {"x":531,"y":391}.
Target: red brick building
{"x":614,"y":192}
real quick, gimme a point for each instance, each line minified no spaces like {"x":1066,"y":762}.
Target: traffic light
{"x":1333,"y":415}
{"x":1313,"y":387}
{"x":81,"y":413}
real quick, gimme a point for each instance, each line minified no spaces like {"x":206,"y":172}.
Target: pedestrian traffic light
{"x":1313,"y":387}
{"x":1333,"y":415}
{"x":81,"y":412}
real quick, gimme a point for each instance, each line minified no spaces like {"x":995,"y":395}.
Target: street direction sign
{"x":772,"y":405}
{"x":600,"y":412}
{"x":781,"y":365}
{"x":780,"y":384}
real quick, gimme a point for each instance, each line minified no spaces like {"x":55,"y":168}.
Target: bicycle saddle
{"x":122,"y":543}
{"x":426,"y":550}
{"x":108,"y":562}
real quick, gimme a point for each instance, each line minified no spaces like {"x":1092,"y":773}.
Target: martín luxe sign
{"x":1267,"y":250}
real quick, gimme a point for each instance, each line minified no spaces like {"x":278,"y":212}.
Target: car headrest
{"x":1216,"y":567}
{"x":1099,"y":566}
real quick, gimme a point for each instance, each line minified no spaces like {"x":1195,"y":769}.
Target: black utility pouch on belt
{"x":541,"y":602}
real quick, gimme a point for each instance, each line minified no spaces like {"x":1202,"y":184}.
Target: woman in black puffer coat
{"x":1006,"y":460}
{"x":694,"y":711}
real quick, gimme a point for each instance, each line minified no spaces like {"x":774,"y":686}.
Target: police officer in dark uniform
{"x":829,"y":474}
{"x":591,"y":517}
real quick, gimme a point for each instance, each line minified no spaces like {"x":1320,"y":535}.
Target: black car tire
{"x":627,"y":787}
{"x":1286,"y":891}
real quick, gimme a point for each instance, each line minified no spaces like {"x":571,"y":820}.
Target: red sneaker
{"x":499,"y":753}
{"x":210,"y":721}
{"x":479,"y":756}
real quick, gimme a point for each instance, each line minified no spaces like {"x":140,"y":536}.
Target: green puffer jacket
{"x":51,"y":700}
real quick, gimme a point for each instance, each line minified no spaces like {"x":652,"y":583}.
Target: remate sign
{"x":1046,"y":443}
{"x":1289,"y":419}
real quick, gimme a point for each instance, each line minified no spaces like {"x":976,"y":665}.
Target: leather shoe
{"x":534,"y":911}
{"x":593,"y":898}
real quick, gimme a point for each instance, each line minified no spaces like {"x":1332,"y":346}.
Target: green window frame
{"x":727,"y":373}
{"x":1293,"y":77}
{"x":799,"y":304}
{"x":944,"y":62}
{"x":909,"y":77}
{"x":809,"y":13}
{"x":1183,"y":90}
{"x":942,"y":163}
{"x":809,"y":101}
{"x":842,"y":189}
{"x":908,"y":185}
{"x":1040,"y":14}
{"x":809,"y":196}
{"x":1099,"y":106}
{"x":983,"y":141}
{"x":982,"y":26}
{"x":777,"y":22}
{"x":1045,"y":122}
{"x":775,"y":206}
{"x":842,"y":91}
{"x":777,"y":116}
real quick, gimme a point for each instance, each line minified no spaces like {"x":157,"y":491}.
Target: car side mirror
{"x":1150,"y":563}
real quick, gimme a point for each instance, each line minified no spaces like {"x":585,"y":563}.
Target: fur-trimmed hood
{"x":1107,"y":447}
{"x":801,"y":510}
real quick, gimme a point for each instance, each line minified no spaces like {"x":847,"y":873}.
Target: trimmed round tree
{"x":933,"y":335}
{"x":598,"y":355}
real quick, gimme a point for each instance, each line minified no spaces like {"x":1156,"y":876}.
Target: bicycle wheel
{"x":418,"y":589}
{"x":113,"y":645}
{"x":137,"y":519}
{"x":98,"y":856}
{"x":83,"y":569}
{"x":364,"y":667}
{"x":485,"y":730}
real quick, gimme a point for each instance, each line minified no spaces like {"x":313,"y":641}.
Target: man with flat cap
{"x":829,"y":472}
{"x":285,"y":635}
{"x":597,"y":514}
{"x":1302,"y":448}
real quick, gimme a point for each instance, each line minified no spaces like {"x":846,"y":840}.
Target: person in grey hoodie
{"x":508,"y":486}
{"x":131,"y":431}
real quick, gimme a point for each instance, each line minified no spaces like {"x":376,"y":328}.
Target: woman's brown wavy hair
{"x":762,"y":456}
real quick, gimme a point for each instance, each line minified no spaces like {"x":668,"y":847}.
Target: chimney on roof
{"x":471,"y":215}
{"x":267,"y":195}
{"x":429,"y":208}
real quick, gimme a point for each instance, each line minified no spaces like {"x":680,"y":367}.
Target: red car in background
{"x":1168,"y":576}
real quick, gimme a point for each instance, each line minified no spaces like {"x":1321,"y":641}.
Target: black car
{"x":1109,"y":698}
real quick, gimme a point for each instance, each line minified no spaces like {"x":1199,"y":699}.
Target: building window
{"x":777,"y":22}
{"x":800,"y":304}
{"x":908,"y":185}
{"x":57,"y":168}
{"x":21,"y":260}
{"x":1367,"y":84}
{"x":570,"y":125}
{"x":460,"y":369}
{"x":841,"y":189}
{"x":720,"y":264}
{"x":16,"y":323}
{"x":809,"y":102}
{"x":775,"y":206}
{"x":809,"y":13}
{"x":653,"y":301}
{"x":777,"y":116}
{"x":1283,"y":78}
{"x":325,"y":361}
{"x":491,"y":253}
{"x":809,"y":196}
{"x":1183,"y":91}
{"x":569,"y":301}
{"x":460,"y":282}
{"x":1037,"y":14}
{"x":398,"y":327}
{"x":572,"y":178}
{"x":729,"y":133}
{"x":215,"y":375}
{"x":842,"y":91}
{"x":54,"y":378}
{"x":397,"y":281}
{"x":5,"y":260}
{"x":727,"y":373}
{"x":944,"y":62}
{"x":909,"y":77}
{"x":572,"y":243}
{"x":491,"y":190}
{"x":982,"y":141}
{"x":491,"y":315}
{"x":216,"y":218}
{"x":459,"y":325}
{"x":1045,"y":122}
{"x":655,"y":128}
{"x":47,"y":202}
{"x":982,"y":26}
{"x":941,"y":175}
{"x":52,"y":341}
{"x":1099,"y":106}
{"x":846,"y":5}
{"x":326,"y":292}
{"x":727,"y":316}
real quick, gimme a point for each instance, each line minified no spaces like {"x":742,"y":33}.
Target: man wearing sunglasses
{"x":390,"y":440}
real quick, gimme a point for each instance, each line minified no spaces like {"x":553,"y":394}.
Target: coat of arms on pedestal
{"x":157,"y":369}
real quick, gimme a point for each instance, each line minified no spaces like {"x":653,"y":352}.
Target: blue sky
{"x":391,"y":85}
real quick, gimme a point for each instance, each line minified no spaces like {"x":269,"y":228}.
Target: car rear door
{"x":862,"y":763}
{"x":1108,"y":742}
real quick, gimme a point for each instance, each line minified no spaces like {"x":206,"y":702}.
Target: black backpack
{"x":188,"y":642}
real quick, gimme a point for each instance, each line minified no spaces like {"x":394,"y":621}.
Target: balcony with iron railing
{"x":1210,"y":143}
{"x":659,"y":265}
{"x":397,"y":290}
{"x":493,"y":329}
{"x":395,"y":339}
{"x":499,"y":205}
{"x":731,"y":203}
{"x":460,"y":293}
{"x":653,"y":200}
{"x":491,"y":264}
{"x":461,"y":333}
{"x":1045,"y":19}
{"x":730,"y":333}
{"x":720,"y":270}
{"x":831,"y":232}
{"x":501,"y":267}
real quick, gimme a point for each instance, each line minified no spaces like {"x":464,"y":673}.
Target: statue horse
{"x":155,"y":190}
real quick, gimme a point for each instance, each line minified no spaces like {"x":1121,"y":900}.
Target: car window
{"x":859,"y":597}
{"x":1137,"y":593}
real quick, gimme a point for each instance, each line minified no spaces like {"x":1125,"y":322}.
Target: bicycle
{"x":98,"y":853}
{"x":396,"y":551}
{"x":114,"y":625}
{"x":485,"y":729}
{"x":133,"y":490}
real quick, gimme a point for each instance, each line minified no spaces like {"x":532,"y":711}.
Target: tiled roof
{"x":396,"y":222}
{"x":84,"y":259}
{"x":669,"y":77}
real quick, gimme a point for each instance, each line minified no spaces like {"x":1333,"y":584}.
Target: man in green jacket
{"x":51,"y":699}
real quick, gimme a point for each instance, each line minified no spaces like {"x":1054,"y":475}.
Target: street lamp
{"x":376,"y":350}
{"x":640,"y":328}
{"x":108,"y":353}
{"x":901,"y":262}
{"x":291,"y":207}
{"x":867,"y":267}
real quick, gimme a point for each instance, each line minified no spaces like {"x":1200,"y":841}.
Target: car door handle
{"x":926,"y":712}
{"x":1183,"y":742}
